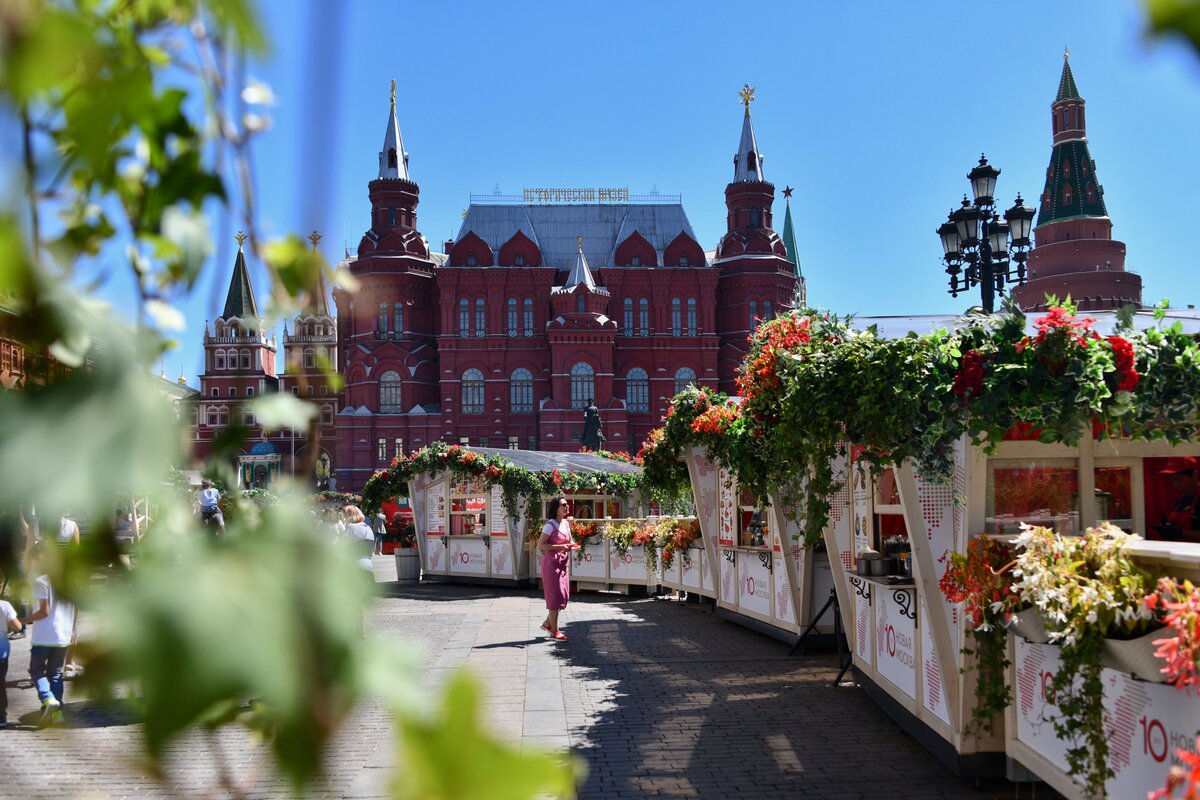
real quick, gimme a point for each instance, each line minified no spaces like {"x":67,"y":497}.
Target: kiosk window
{"x":1040,"y":492}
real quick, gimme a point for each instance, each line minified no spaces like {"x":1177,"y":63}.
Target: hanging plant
{"x":676,"y":535}
{"x":982,"y":579}
{"x":1180,"y":651}
{"x":1086,"y":587}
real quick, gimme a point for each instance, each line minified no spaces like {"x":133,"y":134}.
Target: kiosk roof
{"x":545,"y":461}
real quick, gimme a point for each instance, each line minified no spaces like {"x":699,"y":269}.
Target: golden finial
{"x":464,"y":213}
{"x":181,"y":380}
{"x":241,"y":238}
{"x":1067,"y":54}
{"x":747,"y":95}
{"x":393,"y":92}
{"x":579,"y":241}
{"x":315,"y":238}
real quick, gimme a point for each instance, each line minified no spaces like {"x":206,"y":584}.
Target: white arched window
{"x":381,"y":326}
{"x":676,"y":317}
{"x":464,"y":317}
{"x":684,"y":377}
{"x":219,"y":360}
{"x":472,"y":392}
{"x":521,"y":392}
{"x":628,"y":307}
{"x":644,"y":317}
{"x":310,"y":358}
{"x":691,"y":316}
{"x":389,"y":393}
{"x":480,"y":318}
{"x":583,"y":385}
{"x":326,"y":415}
{"x":528,"y":311}
{"x":245,"y":359}
{"x":511,"y":309}
{"x":637,"y":391}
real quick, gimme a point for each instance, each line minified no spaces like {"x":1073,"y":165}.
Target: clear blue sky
{"x":873,"y":111}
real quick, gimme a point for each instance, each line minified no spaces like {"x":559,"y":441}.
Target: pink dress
{"x":556,"y":573}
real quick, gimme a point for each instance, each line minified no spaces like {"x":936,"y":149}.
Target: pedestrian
{"x":1183,"y":521}
{"x":380,"y":531}
{"x":556,"y":543}
{"x":360,"y":537}
{"x":14,"y":543}
{"x":68,"y":533}
{"x":53,"y":621}
{"x":11,"y":623}
{"x":208,"y":504}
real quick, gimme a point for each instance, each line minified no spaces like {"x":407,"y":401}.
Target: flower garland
{"x":811,"y":383}
{"x":516,"y":482}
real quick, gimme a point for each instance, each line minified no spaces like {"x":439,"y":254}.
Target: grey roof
{"x":580,"y":274}
{"x":392,"y":140}
{"x":545,"y":461}
{"x":747,"y":164}
{"x":555,"y":228}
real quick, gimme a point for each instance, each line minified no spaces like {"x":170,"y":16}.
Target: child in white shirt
{"x":53,"y":621}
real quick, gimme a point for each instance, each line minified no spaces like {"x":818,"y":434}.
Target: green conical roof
{"x":1066,"y":84}
{"x":240,"y":300}
{"x":789,"y":237}
{"x":1072,"y":174}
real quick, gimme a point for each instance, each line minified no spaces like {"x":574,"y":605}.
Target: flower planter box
{"x":1030,"y":625}
{"x":1136,"y":656}
{"x":408,"y":566}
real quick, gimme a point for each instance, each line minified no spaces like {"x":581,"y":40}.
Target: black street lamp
{"x":980,"y":248}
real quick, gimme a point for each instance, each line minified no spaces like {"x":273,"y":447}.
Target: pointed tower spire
{"x":240,"y":300}
{"x":1066,"y":84}
{"x":747,"y":164}
{"x":580,"y":275}
{"x":789,"y":233}
{"x":393,"y":161}
{"x":318,"y":305}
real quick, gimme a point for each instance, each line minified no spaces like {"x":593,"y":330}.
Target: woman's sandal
{"x":546,"y":627}
{"x":559,"y":635}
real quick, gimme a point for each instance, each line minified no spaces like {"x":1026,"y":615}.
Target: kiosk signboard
{"x":895,"y":637}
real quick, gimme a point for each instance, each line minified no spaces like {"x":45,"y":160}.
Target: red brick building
{"x":537,"y":309}
{"x":240,"y":364}
{"x":1074,"y":252}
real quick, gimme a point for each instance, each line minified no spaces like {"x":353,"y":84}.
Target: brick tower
{"x":756,"y":280}
{"x":1074,"y":251}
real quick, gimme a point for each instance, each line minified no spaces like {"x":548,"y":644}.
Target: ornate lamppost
{"x":981,"y":249}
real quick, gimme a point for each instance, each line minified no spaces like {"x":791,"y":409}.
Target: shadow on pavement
{"x":680,"y":703}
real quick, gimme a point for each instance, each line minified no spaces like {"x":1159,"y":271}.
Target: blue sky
{"x":873,"y":111}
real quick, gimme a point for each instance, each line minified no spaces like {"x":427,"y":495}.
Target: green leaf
{"x":449,"y":756}
{"x":278,"y":410}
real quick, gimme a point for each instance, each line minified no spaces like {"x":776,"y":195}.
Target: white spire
{"x":393,"y":161}
{"x":747,"y":164}
{"x":580,"y":273}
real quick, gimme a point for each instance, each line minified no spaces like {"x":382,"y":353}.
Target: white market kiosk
{"x":464,"y":533}
{"x":749,"y":560}
{"x":907,"y":640}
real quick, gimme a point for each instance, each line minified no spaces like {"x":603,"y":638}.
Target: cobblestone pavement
{"x":660,"y":699}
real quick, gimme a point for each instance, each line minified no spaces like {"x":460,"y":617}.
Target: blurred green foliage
{"x":126,"y":136}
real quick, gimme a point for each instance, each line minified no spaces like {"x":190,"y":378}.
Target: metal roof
{"x":580,"y":274}
{"x":555,"y":228}
{"x":240,"y":300}
{"x":545,"y":461}
{"x":748,"y":163}
{"x":1106,"y":322}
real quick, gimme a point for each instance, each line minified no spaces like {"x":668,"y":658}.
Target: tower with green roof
{"x":800,"y":298}
{"x":1074,"y":252}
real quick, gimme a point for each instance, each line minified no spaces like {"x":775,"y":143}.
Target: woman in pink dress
{"x":557,"y":544}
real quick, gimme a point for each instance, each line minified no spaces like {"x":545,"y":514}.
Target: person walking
{"x":380,"y":524}
{"x":53,"y":621}
{"x":360,"y":536}
{"x":207,"y":503}
{"x":556,"y":543}
{"x":10,"y":622}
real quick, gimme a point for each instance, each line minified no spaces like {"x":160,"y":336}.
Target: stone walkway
{"x":660,"y":699}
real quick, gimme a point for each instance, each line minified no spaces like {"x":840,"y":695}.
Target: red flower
{"x":968,"y":381}
{"x":1124,"y":358}
{"x":556,"y":477}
